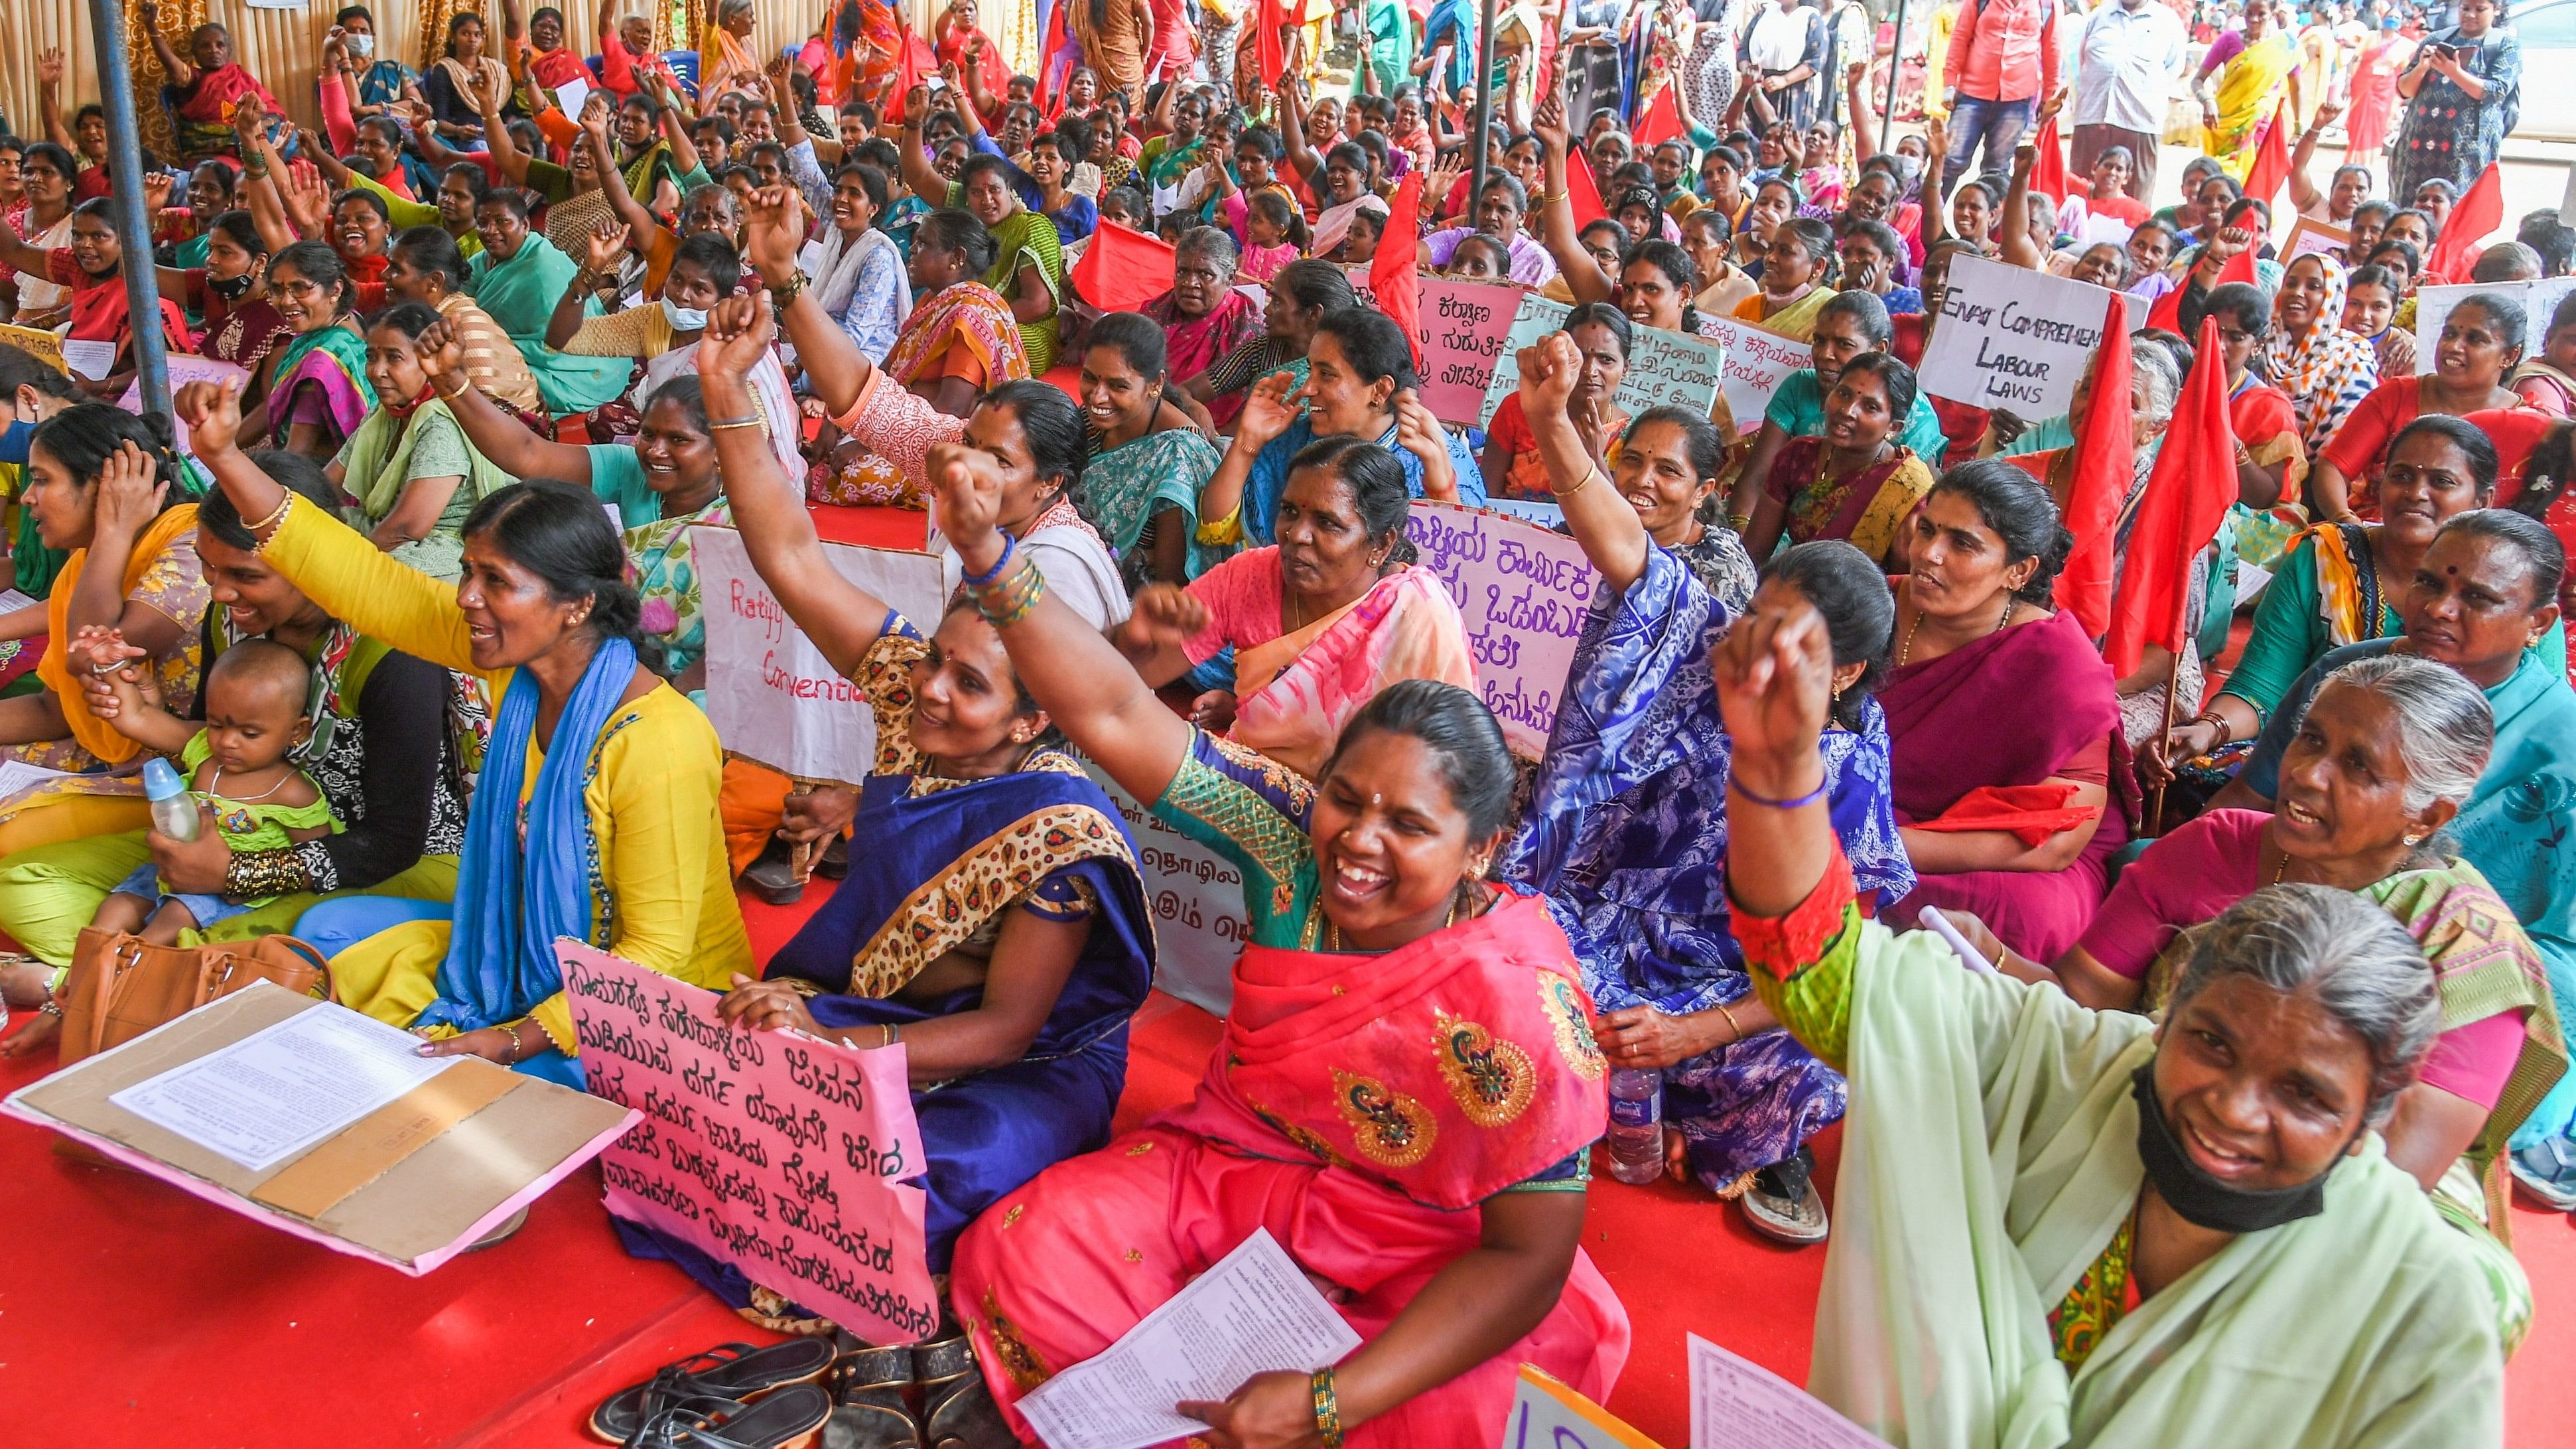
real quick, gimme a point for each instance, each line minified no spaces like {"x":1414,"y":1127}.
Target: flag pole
{"x":1895,"y":69}
{"x":133,"y":218}
{"x":1482,"y":143}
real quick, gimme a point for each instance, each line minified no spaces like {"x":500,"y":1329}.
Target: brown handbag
{"x":120,"y":987}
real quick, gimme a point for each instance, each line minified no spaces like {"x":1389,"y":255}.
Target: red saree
{"x":1360,"y":1108}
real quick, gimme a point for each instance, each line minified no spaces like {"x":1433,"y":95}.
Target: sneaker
{"x":1783,"y":1204}
{"x":2547,"y":1171}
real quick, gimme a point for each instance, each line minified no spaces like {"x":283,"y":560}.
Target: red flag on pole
{"x":2187,"y":499}
{"x":1393,"y":277}
{"x":2471,"y":222}
{"x":2105,"y":450}
{"x":1272,"y":17}
{"x":1582,"y":193}
{"x":1122,"y":270}
{"x":2166,"y":314}
{"x":2271,"y":169}
{"x":1661,"y":122}
{"x":2048,"y":173}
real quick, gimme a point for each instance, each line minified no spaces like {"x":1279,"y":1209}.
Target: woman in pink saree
{"x":2002,"y":718}
{"x":1407,"y":1089}
{"x":1280,"y":646}
{"x":205,"y":88}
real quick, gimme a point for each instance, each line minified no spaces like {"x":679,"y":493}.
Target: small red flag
{"x":2104,"y":468}
{"x":2240,"y":268}
{"x":2271,"y":169}
{"x":1122,"y":270}
{"x":2048,"y":173}
{"x":2187,"y":498}
{"x":1582,"y":193}
{"x":1661,"y":122}
{"x":915,"y":62}
{"x":1272,"y":16}
{"x":2166,"y":314}
{"x":2480,"y":212}
{"x":1393,"y":276}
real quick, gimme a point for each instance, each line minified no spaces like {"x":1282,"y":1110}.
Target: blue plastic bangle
{"x":1803,"y":801}
{"x":1009,"y":546}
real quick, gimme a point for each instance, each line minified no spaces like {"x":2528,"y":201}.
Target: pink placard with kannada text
{"x":791,"y":1158}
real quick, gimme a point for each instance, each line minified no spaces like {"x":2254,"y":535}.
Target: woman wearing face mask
{"x":1367,"y":898}
{"x":1794,"y":274}
{"x":413,"y":474}
{"x":2480,"y":345}
{"x":1147,"y":465}
{"x":1360,"y":384}
{"x":2371,"y":295}
{"x":544,"y":617}
{"x":2340,"y":583}
{"x":519,"y":278}
{"x":1855,"y":480}
{"x":2228,"y":1190}
{"x":1512,"y":464}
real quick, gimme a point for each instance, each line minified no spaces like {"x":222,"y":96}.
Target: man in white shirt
{"x":1783,"y":50}
{"x":2129,"y":61}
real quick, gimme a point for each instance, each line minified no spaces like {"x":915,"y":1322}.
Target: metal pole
{"x":133,"y":219}
{"x":1484,"y":116}
{"x":1895,"y":68}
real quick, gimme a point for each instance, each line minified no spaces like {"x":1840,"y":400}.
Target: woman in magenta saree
{"x":2003,"y":719}
{"x":1407,"y":1089}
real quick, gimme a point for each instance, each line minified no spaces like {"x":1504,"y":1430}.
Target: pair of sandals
{"x":877,"y":1393}
{"x":732,"y":1396}
{"x":779,"y":875}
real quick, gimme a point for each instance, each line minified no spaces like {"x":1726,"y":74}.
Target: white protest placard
{"x":1524,"y":593}
{"x":1196,"y":899}
{"x":184,"y":369}
{"x":771,"y":694}
{"x":1672,"y":369}
{"x":2013,"y":338}
{"x":1535,"y":318}
{"x":2433,"y":308}
{"x":1254,"y":1312}
{"x":1546,"y":1414}
{"x":571,"y":94}
{"x":2312,"y":237}
{"x":1738,"y":1404}
{"x":1758,"y":360}
{"x":92,"y":360}
{"x":1464,"y":327}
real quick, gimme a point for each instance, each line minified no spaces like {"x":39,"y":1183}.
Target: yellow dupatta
{"x":1797,"y":320}
{"x":92,"y":733}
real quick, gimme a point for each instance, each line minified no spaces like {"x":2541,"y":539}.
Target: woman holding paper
{"x":1439,"y":1192}
{"x":2480,"y":345}
{"x":2013,"y":824}
{"x":1626,"y":827}
{"x":2155,"y":1209}
{"x":597,"y":819}
{"x":93,"y":266}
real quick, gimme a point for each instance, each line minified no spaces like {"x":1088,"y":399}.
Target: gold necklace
{"x":1906,"y":648}
{"x":1333,"y":932}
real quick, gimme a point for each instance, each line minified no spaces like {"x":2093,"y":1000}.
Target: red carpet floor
{"x":132,"y":1315}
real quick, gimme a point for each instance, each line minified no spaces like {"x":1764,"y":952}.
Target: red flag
{"x":2048,"y":173}
{"x":2104,"y":468}
{"x":2166,"y":314}
{"x":1122,"y":270}
{"x":1662,"y":121}
{"x":2455,"y":252}
{"x":2187,"y":498}
{"x":1272,"y":17}
{"x":2271,"y":169}
{"x":1393,"y":277}
{"x":1582,"y":193}
{"x":2239,"y":268}
{"x":915,"y":63}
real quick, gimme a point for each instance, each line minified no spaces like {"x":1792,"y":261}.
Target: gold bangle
{"x":1580,"y":484}
{"x":446,"y":396}
{"x":754,"y":421}
{"x":1731,"y":1023}
{"x":262,"y":528}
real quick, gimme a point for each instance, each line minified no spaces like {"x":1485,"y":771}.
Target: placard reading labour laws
{"x":2433,"y":308}
{"x":1196,"y":897}
{"x":1525,"y":593}
{"x":2013,"y":338}
{"x":789,"y":1157}
{"x":773,"y":697}
{"x":1464,"y":325}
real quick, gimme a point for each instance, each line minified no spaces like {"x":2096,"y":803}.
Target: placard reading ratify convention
{"x":1524,"y":592}
{"x":789,"y":1157}
{"x":2012,"y":338}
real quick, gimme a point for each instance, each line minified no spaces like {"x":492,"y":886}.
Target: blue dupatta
{"x":518,"y":890}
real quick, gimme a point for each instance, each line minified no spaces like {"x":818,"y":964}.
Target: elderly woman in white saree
{"x":2061,"y":1226}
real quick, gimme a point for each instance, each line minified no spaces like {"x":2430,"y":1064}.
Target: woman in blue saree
{"x":1626,"y":828}
{"x":994,"y":922}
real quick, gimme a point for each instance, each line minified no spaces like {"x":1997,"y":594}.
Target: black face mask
{"x":2203,"y":1200}
{"x":231,"y":289}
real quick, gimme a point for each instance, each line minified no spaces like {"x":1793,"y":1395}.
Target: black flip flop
{"x":730,"y":1371}
{"x":788,"y":1418}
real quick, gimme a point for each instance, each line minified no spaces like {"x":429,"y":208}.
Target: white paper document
{"x":1251,"y":1313}
{"x":17,"y":775}
{"x":278,"y":1091}
{"x":11,"y":601}
{"x":1738,"y":1404}
{"x":89,"y":359}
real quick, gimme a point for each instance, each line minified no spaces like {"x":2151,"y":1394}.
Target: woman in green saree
{"x":412,"y":471}
{"x":1029,"y":269}
{"x":1147,"y":464}
{"x":643,"y":158}
{"x":317,"y":391}
{"x":516,"y":279}
{"x":2171,"y":1212}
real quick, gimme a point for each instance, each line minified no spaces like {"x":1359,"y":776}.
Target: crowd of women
{"x":1825,"y":692}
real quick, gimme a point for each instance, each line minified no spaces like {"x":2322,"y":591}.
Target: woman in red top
{"x":2479,"y":346}
{"x":93,"y":267}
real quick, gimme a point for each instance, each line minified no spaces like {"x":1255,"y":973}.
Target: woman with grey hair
{"x":1204,"y":317}
{"x":2196,"y":1218}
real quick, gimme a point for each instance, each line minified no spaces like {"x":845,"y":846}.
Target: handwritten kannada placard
{"x":45,"y":347}
{"x":1758,"y":360}
{"x":1465,"y":325}
{"x":1535,"y":318}
{"x":1524,"y":593}
{"x":2012,"y":338}
{"x":1663,"y":367}
{"x":1546,"y":1414}
{"x":1196,"y":898}
{"x":788,"y":1157}
{"x":184,"y":369}
{"x":771,"y":694}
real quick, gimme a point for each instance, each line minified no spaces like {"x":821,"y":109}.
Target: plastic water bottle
{"x":174,"y":810}
{"x":1636,"y":1125}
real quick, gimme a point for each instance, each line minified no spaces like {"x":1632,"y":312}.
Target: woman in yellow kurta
{"x":615,"y":842}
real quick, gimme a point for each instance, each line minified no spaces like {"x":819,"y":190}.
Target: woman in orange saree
{"x":1406,"y":1093}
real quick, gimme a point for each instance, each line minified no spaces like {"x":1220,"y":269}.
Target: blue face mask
{"x":683,"y":319}
{"x":14,"y":441}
